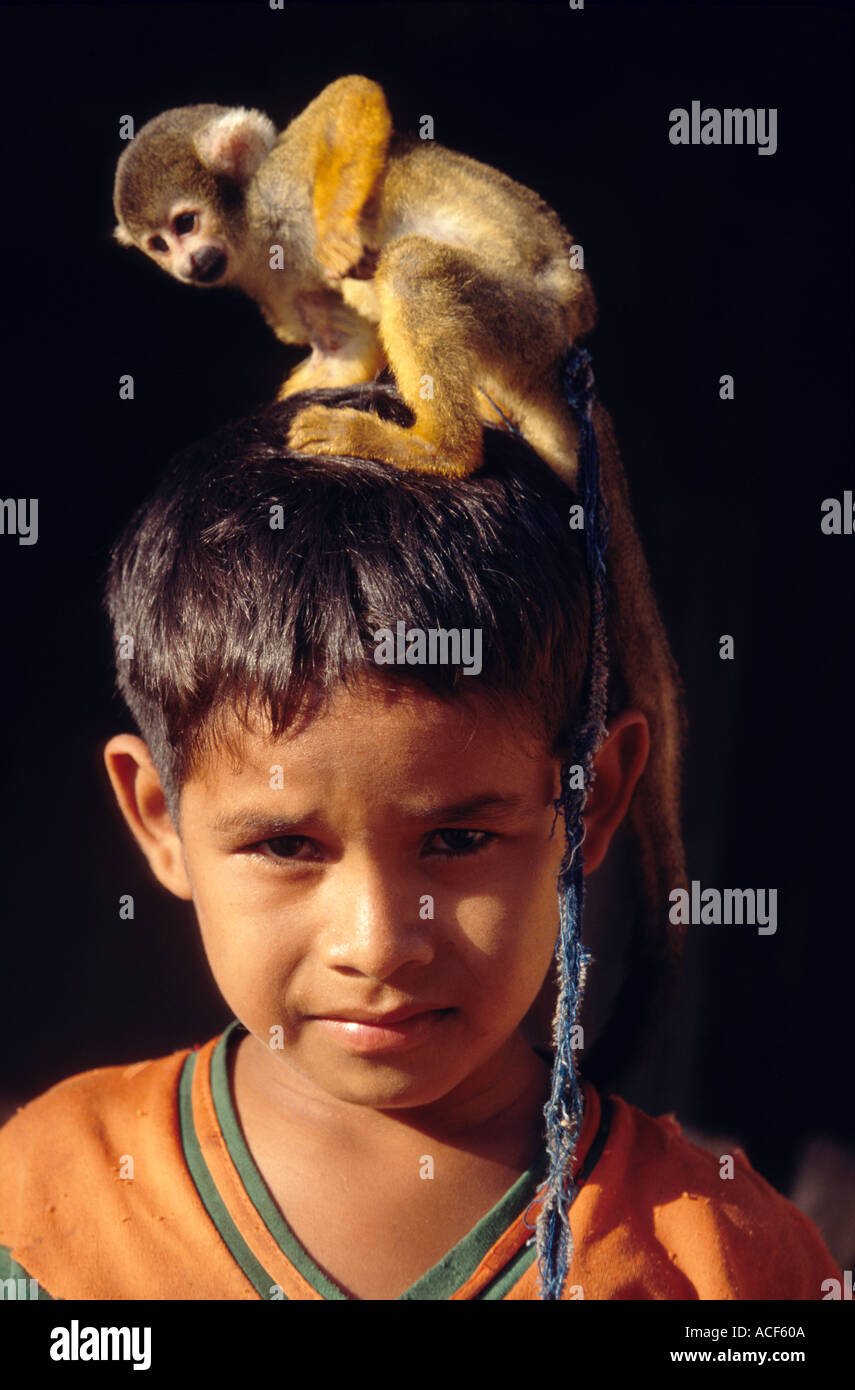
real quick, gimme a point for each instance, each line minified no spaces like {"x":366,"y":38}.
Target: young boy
{"x":371,"y":842}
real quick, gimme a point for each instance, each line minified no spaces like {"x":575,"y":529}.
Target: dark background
{"x":705,"y":260}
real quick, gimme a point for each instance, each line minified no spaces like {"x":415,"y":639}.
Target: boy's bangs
{"x":257,"y":581}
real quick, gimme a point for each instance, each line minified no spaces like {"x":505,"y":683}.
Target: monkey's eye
{"x":158,"y":244}
{"x":184,"y":223}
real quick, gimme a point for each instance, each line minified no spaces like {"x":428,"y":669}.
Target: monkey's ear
{"x":236,"y":143}
{"x":123,"y":238}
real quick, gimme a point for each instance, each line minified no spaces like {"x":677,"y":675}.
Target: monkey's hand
{"x":339,"y":251}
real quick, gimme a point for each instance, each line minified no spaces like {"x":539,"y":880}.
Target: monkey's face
{"x":190,"y":244}
{"x":181,"y":186}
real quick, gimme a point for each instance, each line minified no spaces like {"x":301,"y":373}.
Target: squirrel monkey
{"x":375,"y":249}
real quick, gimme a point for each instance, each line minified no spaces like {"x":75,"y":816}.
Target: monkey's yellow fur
{"x":393,"y":251}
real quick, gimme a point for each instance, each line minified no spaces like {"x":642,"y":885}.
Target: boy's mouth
{"x":392,"y":1016}
{"x":361,"y":1031}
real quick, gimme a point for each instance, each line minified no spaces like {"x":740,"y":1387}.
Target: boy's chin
{"x":390,"y":1093}
{"x":418,"y":1076}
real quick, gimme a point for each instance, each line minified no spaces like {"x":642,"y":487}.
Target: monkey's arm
{"x":347,"y":129}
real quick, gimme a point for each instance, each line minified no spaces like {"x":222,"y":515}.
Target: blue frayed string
{"x":564,"y":1111}
{"x":512,"y":428}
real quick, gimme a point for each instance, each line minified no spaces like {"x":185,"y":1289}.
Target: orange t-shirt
{"x":136,"y":1183}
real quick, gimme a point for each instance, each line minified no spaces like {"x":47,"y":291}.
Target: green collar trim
{"x":439,"y":1283}
{"x":216,"y":1208}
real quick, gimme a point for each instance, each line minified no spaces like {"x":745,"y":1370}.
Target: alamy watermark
{"x":730,"y":126}
{"x":76,"y":1343}
{"x":434,"y":646}
{"x":838,"y":517}
{"x":14,"y":520}
{"x":725,"y":907}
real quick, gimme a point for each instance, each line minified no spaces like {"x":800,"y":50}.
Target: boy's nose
{"x":374,"y":926}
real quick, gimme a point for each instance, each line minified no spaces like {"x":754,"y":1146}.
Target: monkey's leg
{"x":447,"y":322}
{"x":345,"y":347}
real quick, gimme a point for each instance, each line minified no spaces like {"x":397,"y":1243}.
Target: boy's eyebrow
{"x":260,"y":819}
{"x":488,"y":801}
{"x":257,"y":818}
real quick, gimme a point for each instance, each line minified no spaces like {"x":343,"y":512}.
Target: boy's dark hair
{"x":254,"y":580}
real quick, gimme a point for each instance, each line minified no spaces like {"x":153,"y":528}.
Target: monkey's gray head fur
{"x":180,"y":187}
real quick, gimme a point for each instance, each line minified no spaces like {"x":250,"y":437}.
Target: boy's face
{"x":395,"y":854}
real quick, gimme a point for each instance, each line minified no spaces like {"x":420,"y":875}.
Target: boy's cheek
{"x":251,"y":954}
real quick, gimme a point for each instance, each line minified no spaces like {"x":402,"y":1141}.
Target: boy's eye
{"x":460,"y":842}
{"x":184,"y":223}
{"x":285,"y":847}
{"x":455,"y":844}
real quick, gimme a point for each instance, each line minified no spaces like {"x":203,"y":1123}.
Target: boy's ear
{"x":618,"y":766}
{"x":141,"y":799}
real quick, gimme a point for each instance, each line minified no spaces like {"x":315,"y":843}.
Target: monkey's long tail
{"x":644,"y":675}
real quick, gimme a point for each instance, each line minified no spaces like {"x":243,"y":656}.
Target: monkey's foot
{"x":321,"y":430}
